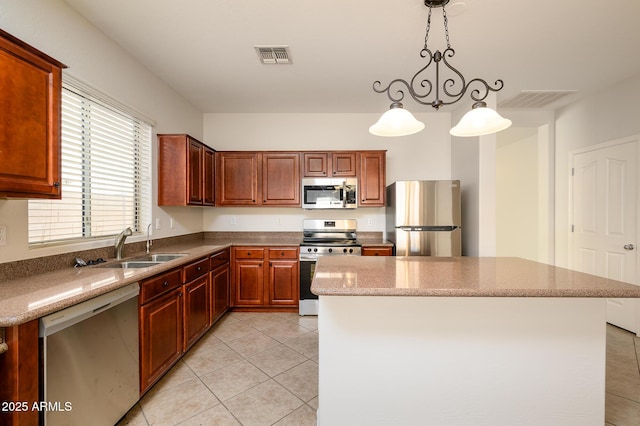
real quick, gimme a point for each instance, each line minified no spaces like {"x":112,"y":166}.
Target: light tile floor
{"x":262,"y":369}
{"x":249,"y":369}
{"x":622,"y":404}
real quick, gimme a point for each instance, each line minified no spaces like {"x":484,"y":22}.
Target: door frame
{"x":605,"y":145}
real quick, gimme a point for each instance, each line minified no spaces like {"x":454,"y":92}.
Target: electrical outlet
{"x":158,"y":223}
{"x":171,"y":224}
{"x":3,"y":235}
{"x":233,"y":220}
{"x":370,"y":221}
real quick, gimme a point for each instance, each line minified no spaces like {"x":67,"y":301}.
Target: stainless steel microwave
{"x":329,"y":193}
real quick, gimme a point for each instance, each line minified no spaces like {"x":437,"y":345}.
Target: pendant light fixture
{"x":398,"y":121}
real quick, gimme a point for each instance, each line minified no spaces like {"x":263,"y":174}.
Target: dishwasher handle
{"x":65,"y":318}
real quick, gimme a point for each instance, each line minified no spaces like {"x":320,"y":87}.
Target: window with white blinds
{"x":106,"y":175}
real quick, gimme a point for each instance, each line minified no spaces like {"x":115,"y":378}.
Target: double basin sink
{"x":145,"y":261}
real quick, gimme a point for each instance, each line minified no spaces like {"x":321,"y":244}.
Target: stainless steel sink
{"x":160,"y":257}
{"x":131,"y":264}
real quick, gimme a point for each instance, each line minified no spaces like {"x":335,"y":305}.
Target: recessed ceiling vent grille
{"x":274,"y":54}
{"x":535,"y":98}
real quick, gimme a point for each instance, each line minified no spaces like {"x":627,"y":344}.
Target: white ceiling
{"x":204,"y":49}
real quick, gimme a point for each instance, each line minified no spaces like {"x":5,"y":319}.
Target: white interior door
{"x":605,"y":221}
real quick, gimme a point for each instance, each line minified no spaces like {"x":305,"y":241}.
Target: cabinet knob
{"x":199,"y":268}
{"x":56,"y":184}
{"x":165,"y":284}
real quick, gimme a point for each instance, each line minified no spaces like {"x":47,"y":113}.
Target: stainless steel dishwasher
{"x":90,"y":357}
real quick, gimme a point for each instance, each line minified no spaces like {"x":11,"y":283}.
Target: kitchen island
{"x":461,"y":341}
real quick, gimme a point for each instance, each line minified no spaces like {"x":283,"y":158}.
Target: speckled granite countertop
{"x":458,"y":277}
{"x":24,"y":299}
{"x":34,"y":296}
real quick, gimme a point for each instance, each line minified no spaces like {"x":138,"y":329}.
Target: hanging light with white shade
{"x":481,"y":120}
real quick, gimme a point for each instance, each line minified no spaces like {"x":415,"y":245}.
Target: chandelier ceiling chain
{"x":420,"y":88}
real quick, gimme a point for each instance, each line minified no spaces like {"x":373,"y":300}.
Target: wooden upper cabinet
{"x":195,"y":172}
{"x":281,"y":179}
{"x":209,"y":178}
{"x":257,"y":178}
{"x":185,"y":171}
{"x":329,"y":164}
{"x":316,"y":164}
{"x":237,"y":178}
{"x":372,"y":178}
{"x":30,"y":107}
{"x":343,"y":164}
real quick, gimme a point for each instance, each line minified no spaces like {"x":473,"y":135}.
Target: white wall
{"x":517,"y":194}
{"x":425,"y":155}
{"x":54,"y":28}
{"x":610,"y":114}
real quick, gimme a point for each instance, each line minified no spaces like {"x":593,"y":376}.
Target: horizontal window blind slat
{"x":106,"y":172}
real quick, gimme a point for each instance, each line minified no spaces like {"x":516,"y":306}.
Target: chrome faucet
{"x":149,"y":240}
{"x":119,"y":245}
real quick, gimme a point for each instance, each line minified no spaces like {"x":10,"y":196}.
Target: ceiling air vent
{"x":535,"y":98}
{"x":274,"y":54}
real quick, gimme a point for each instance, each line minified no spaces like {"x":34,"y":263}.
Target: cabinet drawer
{"x":159,"y":284}
{"x":196,"y":269}
{"x":377,"y":251}
{"x":249,"y":253}
{"x":283,"y":253}
{"x":219,"y":259}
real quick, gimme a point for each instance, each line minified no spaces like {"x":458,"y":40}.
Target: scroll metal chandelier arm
{"x":454,"y":87}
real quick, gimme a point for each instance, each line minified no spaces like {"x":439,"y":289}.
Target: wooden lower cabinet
{"x":249,"y":289}
{"x":176,"y":309}
{"x":220,"y":281}
{"x":161,"y":336}
{"x":266,"y":277}
{"x":197,"y":309}
{"x":19,"y":374}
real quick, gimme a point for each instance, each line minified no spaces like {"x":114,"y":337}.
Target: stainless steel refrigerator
{"x":423,"y":218}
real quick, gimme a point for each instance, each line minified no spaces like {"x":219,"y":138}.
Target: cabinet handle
{"x":165,"y":284}
{"x":56,"y":184}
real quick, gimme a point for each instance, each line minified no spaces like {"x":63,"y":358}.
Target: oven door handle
{"x":308,"y":258}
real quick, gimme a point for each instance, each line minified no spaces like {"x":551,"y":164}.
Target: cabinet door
{"x":220,"y":280}
{"x":31,"y":87}
{"x":372,"y":179}
{"x":195,"y":173}
{"x":197,"y":309}
{"x":343,"y":164}
{"x":281,"y":179}
{"x":209,"y":177}
{"x":316,"y":164}
{"x":237,"y":178}
{"x":249,"y":283}
{"x":160,"y":337}
{"x":284,"y":282}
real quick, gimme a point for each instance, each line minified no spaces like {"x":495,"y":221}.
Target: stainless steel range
{"x":323,"y":237}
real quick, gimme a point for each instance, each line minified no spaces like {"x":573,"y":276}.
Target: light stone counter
{"x":458,"y":276}
{"x":24,"y":299}
{"x":460,"y":341}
